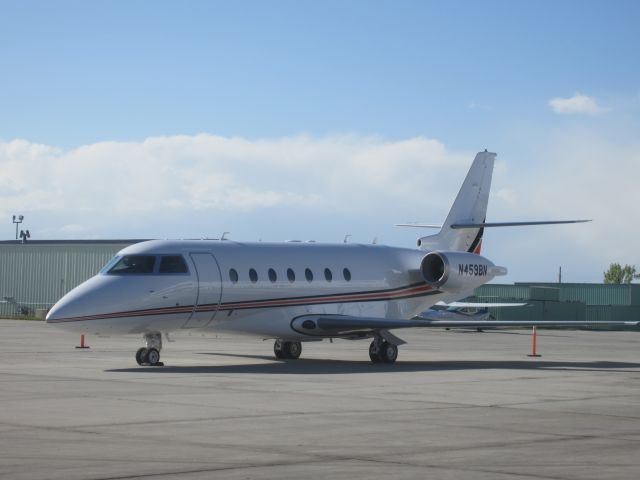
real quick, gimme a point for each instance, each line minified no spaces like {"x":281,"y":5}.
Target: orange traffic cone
{"x":82,"y":345}
{"x":533,"y":344}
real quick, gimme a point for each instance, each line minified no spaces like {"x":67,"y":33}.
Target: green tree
{"x":619,"y":274}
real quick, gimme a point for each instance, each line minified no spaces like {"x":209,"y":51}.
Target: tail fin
{"x":470,"y":207}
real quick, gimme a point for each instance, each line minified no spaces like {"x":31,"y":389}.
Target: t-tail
{"x":464,"y":226}
{"x":469,"y":207}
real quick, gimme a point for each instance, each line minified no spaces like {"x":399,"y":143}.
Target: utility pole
{"x":560,"y":275}
{"x":17,"y":222}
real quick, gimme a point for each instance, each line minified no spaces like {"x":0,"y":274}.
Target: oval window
{"x":272,"y":275}
{"x":291,"y":275}
{"x":328,"y":276}
{"x":233,"y":275}
{"x":308,"y":274}
{"x":253,"y":276}
{"x":347,"y":274}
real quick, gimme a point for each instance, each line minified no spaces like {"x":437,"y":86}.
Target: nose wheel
{"x":289,"y":350}
{"x":150,"y":355}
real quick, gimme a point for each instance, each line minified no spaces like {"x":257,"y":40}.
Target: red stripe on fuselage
{"x":393,"y":294}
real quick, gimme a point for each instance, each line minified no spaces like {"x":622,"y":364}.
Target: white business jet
{"x":292,"y":292}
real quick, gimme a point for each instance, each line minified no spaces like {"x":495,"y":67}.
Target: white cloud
{"x":578,"y":104}
{"x":106,"y":182}
{"x":323,"y":188}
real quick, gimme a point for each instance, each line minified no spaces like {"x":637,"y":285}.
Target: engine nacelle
{"x":458,"y":271}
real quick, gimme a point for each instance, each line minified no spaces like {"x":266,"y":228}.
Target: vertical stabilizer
{"x":470,"y":206}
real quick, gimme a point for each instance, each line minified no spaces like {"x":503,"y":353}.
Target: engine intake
{"x":458,"y":271}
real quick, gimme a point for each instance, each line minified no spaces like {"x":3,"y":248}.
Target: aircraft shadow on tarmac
{"x":342,"y":367}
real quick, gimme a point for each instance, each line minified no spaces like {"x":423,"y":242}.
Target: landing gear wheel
{"x":388,"y":352}
{"x":153,"y":357}
{"x":293,"y":349}
{"x":374,"y":353}
{"x":141,"y":356}
{"x":278,"y":349}
{"x":290,"y":350}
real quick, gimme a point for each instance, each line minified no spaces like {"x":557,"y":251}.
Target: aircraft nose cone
{"x":76,"y":305}
{"x":57,"y":312}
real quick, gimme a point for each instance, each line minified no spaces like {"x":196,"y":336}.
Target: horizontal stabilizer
{"x":514,"y":224}
{"x":419,"y":225}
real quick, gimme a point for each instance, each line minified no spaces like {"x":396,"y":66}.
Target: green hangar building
{"x":34,"y":275}
{"x":563,"y":301}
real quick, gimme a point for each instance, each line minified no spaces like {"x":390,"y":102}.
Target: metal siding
{"x":594,"y":293}
{"x":544,"y":293}
{"x":511,"y":292}
{"x":38,"y":275}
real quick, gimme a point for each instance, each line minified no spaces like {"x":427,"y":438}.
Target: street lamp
{"x":17,"y":222}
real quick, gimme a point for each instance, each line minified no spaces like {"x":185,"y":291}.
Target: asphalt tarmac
{"x":456,"y":405}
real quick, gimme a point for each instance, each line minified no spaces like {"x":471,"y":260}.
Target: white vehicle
{"x":291,"y":292}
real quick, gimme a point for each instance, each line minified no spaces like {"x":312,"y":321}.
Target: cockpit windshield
{"x":146,"y":264}
{"x":134,"y":264}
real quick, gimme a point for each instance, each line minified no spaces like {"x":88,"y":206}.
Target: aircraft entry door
{"x":209,"y":290}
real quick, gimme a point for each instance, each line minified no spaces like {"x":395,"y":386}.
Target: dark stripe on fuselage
{"x":400,"y":293}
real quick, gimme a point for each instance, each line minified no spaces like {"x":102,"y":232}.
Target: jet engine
{"x":458,"y":271}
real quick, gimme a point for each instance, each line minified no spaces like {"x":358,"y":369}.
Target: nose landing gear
{"x":151,"y":354}
{"x":290,"y":350}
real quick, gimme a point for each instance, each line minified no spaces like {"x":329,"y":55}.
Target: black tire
{"x":141,"y":356}
{"x":388,"y":352}
{"x":279,"y":350}
{"x":374,"y":353}
{"x":293,"y":349}
{"x":153,"y":357}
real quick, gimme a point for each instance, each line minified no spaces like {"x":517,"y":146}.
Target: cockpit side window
{"x":134,"y":265}
{"x":172,"y":264}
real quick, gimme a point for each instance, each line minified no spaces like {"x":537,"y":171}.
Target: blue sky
{"x":469,"y":75}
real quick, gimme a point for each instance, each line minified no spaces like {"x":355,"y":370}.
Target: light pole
{"x":17,"y":222}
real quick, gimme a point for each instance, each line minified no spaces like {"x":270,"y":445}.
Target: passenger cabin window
{"x":134,"y":265}
{"x":308,"y":275}
{"x":328,"y":276}
{"x":253,"y":276}
{"x":173,"y":264}
{"x":272,"y":275}
{"x":347,"y":274}
{"x":291,"y":275}
{"x":233,"y":275}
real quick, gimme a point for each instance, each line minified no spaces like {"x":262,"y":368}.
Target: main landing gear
{"x":290,"y":350}
{"x":150,"y":355}
{"x":381,"y":351}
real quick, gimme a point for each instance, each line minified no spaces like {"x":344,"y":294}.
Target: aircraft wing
{"x":362,"y":327}
{"x":479,"y":304}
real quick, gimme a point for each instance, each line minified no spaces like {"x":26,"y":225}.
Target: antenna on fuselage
{"x":346,"y":238}
{"x":375,"y":241}
{"x":223,"y":236}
